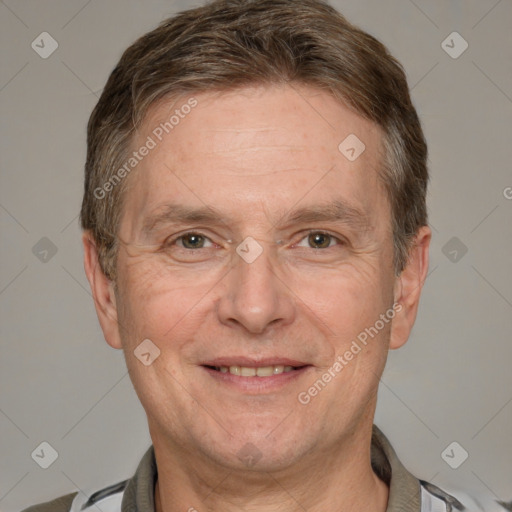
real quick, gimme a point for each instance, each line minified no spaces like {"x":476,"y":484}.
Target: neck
{"x":338,"y":479}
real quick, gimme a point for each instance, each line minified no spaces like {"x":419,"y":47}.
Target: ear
{"x":408,"y":286}
{"x":102,"y":291}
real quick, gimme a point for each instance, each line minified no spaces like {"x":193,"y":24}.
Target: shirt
{"x":406,"y":492}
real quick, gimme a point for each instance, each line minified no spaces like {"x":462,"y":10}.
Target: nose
{"x":256,"y":296}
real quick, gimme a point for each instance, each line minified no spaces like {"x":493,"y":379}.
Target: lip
{"x":254,"y":362}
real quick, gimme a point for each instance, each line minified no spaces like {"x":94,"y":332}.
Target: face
{"x":255,"y":255}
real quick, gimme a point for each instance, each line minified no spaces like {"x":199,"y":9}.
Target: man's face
{"x":258,"y":163}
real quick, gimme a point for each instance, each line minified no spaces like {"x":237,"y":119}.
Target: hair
{"x":229,"y":44}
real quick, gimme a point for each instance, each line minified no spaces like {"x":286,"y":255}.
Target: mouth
{"x":255,"y":376}
{"x":255,"y":371}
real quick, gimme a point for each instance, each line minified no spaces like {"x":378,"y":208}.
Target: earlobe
{"x":408,"y":288}
{"x":102,"y":291}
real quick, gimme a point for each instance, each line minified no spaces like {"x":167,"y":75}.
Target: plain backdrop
{"x":61,"y":384}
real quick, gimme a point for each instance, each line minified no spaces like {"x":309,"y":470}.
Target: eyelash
{"x":171,"y":241}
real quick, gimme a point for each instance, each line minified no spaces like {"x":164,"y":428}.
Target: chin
{"x":260,"y":458}
{"x":260,"y":450}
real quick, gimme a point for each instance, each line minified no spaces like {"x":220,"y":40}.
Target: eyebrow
{"x":337,"y":210}
{"x":178,"y":213}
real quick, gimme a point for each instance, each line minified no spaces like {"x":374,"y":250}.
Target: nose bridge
{"x":256,"y":295}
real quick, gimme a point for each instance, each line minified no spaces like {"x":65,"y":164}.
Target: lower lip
{"x":257,"y":385}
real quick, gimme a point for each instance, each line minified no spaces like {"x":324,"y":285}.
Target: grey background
{"x":59,"y":380}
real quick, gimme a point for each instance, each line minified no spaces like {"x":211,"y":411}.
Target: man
{"x":256,"y":240}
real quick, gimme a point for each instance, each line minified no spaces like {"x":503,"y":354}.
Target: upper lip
{"x":254,"y":362}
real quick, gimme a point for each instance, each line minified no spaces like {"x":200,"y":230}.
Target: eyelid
{"x":173,"y":238}
{"x":341,"y":240}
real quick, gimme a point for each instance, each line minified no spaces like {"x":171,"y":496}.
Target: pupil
{"x":317,"y":238}
{"x":194,"y":239}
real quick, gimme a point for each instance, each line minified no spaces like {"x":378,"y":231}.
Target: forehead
{"x":260,"y":147}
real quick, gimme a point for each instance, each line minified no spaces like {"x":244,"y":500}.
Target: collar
{"x":404,"y":488}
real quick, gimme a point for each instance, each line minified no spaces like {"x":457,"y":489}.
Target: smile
{"x":255,"y":377}
{"x":251,"y":371}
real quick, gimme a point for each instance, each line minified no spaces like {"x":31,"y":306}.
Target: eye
{"x":190,"y":240}
{"x":319,"y":240}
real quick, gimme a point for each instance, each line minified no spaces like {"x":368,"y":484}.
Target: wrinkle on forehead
{"x":259,"y":136}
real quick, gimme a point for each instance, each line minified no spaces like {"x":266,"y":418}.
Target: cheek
{"x":157,"y":302}
{"x":362,"y":337}
{"x":346,"y":298}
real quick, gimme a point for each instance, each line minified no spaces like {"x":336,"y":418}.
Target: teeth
{"x":278,"y":369}
{"x":265,"y":371}
{"x":261,"y":371}
{"x":247,"y":372}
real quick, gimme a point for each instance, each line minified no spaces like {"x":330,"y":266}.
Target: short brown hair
{"x":228,"y":44}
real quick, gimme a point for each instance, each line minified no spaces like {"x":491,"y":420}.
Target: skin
{"x":254,"y":155}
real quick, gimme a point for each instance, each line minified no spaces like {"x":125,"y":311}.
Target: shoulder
{"x":410,"y":493}
{"x":107,"y":499}
{"x":61,"y":504}
{"x":434,"y":499}
{"x":463,"y":501}
{"x":110,"y":499}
